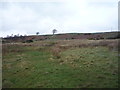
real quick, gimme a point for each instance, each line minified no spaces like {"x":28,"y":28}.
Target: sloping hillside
{"x":67,"y":36}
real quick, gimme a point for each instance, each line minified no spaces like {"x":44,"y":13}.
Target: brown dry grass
{"x":60,"y":45}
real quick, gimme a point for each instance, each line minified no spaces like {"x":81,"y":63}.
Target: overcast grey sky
{"x":66,"y":16}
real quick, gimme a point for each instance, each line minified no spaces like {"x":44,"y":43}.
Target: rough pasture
{"x":61,"y":64}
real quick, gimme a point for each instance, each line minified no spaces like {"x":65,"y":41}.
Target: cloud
{"x":87,"y":15}
{"x":66,"y":17}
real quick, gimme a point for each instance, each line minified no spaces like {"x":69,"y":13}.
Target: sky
{"x":66,"y":16}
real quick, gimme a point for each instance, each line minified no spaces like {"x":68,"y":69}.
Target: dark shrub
{"x":101,"y":38}
{"x":23,"y":41}
{"x":87,"y":34}
{"x":91,"y":38}
{"x":29,"y":41}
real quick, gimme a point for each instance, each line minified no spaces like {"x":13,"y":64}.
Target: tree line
{"x":37,"y":33}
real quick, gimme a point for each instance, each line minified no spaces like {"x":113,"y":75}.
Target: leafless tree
{"x":54,"y":31}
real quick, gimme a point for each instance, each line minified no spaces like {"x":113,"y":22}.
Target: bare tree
{"x":11,"y":35}
{"x":8,"y":36}
{"x":18,"y":35}
{"x":25,"y":35}
{"x":54,"y":31}
{"x":15,"y":36}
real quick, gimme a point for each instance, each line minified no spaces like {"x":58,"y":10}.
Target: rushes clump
{"x":56,"y":52}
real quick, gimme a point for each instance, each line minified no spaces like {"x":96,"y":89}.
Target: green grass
{"x":33,"y":67}
{"x":97,"y":67}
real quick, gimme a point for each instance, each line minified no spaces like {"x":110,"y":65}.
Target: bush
{"x":91,"y":38}
{"x":29,"y":41}
{"x":72,"y":38}
{"x":87,"y":34}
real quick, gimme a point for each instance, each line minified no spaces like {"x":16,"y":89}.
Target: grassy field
{"x":61,"y":64}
